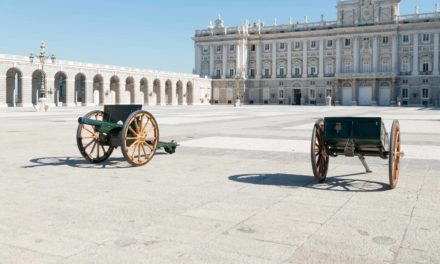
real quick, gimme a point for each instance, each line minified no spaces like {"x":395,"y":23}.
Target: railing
{"x":296,"y":75}
{"x":314,"y":75}
{"x":282,"y":76}
{"x":266,"y":77}
{"x":329,"y":75}
{"x":405,"y":73}
{"x":425,"y":73}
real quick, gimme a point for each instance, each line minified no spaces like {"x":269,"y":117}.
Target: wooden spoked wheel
{"x":319,"y":152}
{"x":395,"y":154}
{"x":140,"y":138}
{"x":89,"y":140}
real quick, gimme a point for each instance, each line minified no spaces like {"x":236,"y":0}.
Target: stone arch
{"x":37,"y":80}
{"x":60,"y":86}
{"x":144,"y":90}
{"x":157,"y":90}
{"x":168,"y":92}
{"x":14,"y":87}
{"x":129,"y":88}
{"x":189,"y":93}
{"x":98,"y":90}
{"x":179,"y":92}
{"x":80,"y":89}
{"x":115,"y":92}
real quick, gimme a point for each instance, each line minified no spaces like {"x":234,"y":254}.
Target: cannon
{"x":127,"y":126}
{"x":355,"y":137}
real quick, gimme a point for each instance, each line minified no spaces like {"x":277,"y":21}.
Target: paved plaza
{"x":239,"y":189}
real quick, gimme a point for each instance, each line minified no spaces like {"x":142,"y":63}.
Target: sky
{"x":144,"y":34}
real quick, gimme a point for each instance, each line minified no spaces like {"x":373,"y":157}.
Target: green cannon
{"x":355,"y":136}
{"x":126,"y":126}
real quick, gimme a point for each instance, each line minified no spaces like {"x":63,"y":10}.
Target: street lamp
{"x":42,"y":106}
{"x":239,"y":95}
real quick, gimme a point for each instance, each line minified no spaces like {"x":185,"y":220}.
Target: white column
{"x":338,"y":56}
{"x":225,"y":61}
{"x":274,"y":60}
{"x":394,"y":59}
{"x":3,"y":91}
{"x":258,"y":69}
{"x":163,"y":98}
{"x":89,"y":92}
{"x":198,"y":57}
{"x":304,"y":70}
{"x":321,"y":58}
{"x":289,"y":59}
{"x":173,"y":93}
{"x":375,"y":54}
{"x":50,"y":83}
{"x":26,"y":84}
{"x":70,"y":92}
{"x":211,"y":59}
{"x":436,"y":54}
{"x":415,"y":54}
{"x":356,"y":53}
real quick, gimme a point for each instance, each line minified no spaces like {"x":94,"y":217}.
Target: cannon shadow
{"x":80,"y":162}
{"x":340,"y":183}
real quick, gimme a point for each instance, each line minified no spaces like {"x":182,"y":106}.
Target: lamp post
{"x":42,"y":106}
{"x":239,"y":94}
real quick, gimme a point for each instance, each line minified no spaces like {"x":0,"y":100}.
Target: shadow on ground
{"x":80,"y":162}
{"x":342,"y":183}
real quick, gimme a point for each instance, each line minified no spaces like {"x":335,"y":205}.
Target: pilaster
{"x":238,"y":51}
{"x":289,"y":59}
{"x":304,"y":70}
{"x":415,"y":65}
{"x":197,"y":59}
{"x":436,"y":54}
{"x":394,"y":58}
{"x":258,"y":69}
{"x":163,"y":98}
{"x":338,"y":56}
{"x":321,"y":58}
{"x":70,"y":92}
{"x":211,"y":60}
{"x":356,"y":53}
{"x":225,"y":61}
{"x":274,"y":60}
{"x":173,"y":94}
{"x":89,"y":93}
{"x":375,"y":54}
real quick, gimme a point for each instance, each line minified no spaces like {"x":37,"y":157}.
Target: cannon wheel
{"x":394,"y":154}
{"x":319,"y":152}
{"x":87,"y":139}
{"x":140,"y":138}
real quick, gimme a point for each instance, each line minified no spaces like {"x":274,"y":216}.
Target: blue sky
{"x":141,"y":33}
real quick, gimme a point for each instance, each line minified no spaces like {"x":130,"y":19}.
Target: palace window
{"x":252,"y":73}
{"x":231,"y":48}
{"x":281,"y":94}
{"x":386,"y":65}
{"x":267,"y":47}
{"x":297,"y":70}
{"x":219,"y":49}
{"x":425,"y":93}
{"x":231,"y":72}
{"x":425,"y":66}
{"x":329,"y":68}
{"x":405,"y":65}
{"x":253,"y":48}
{"x":347,"y":66}
{"x":405,"y":39}
{"x":282,"y":46}
{"x":366,"y":65}
{"x":404,"y":93}
{"x":404,"y":81}
{"x":266,"y":72}
{"x":313,"y":69}
{"x":297,"y":45}
{"x":205,"y":50}
{"x":282,"y":72}
{"x":218,"y":73}
{"x":426,"y":37}
{"x":425,"y":81}
{"x":347,"y":42}
{"x":329,"y":43}
{"x":313,"y":44}
{"x":385,"y":40}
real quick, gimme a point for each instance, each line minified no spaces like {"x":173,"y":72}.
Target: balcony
{"x":296,"y":76}
{"x":216,"y":77}
{"x":425,"y":73}
{"x":329,"y":75}
{"x":283,"y":76}
{"x":312,"y":75}
{"x":251,"y":77}
{"x":266,"y":76}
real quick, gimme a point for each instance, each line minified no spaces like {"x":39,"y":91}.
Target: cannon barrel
{"x":101,"y":125}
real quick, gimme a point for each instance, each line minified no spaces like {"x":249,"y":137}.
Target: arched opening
{"x":80,"y":89}
{"x":60,"y":84}
{"x":37,"y":80}
{"x":156,"y":91}
{"x":179,"y":92}
{"x":189,"y":93}
{"x":169,"y":92}
{"x":144,"y":90}
{"x":115,"y":95}
{"x":98,"y":90}
{"x":14,"y":87}
{"x":129,"y":88}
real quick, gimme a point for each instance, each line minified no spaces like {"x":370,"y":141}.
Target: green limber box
{"x":367,"y":133}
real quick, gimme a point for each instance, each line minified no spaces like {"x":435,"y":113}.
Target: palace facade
{"x":72,"y":83}
{"x":371,"y":55}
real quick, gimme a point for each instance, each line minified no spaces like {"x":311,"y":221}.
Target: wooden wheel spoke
{"x":132,"y":130}
{"x":136,"y":125}
{"x":146,"y":125}
{"x":98,"y":153}
{"x":143,"y":150}
{"x":90,"y":131}
{"x":89,"y":144}
{"x":93,"y":148}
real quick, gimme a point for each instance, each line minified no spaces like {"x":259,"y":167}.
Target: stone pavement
{"x":239,"y":190}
